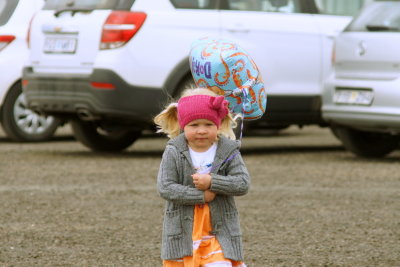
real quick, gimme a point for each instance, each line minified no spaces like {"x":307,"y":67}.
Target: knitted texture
{"x":196,"y":107}
{"x":175,"y":185}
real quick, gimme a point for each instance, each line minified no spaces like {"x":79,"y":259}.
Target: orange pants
{"x":206,"y":249}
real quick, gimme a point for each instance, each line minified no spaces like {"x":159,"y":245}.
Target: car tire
{"x":186,"y":83}
{"x":22,"y":124}
{"x":96,"y":138}
{"x":367,"y":144}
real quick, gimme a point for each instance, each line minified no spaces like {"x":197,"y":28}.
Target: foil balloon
{"x":225,"y":68}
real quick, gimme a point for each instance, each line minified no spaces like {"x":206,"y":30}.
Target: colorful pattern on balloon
{"x":225,"y":68}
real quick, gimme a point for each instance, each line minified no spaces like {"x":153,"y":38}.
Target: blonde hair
{"x":167,"y":120}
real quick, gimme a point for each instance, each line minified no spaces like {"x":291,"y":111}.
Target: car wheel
{"x":98,"y":139}
{"x":367,"y":144}
{"x":22,"y":124}
{"x":186,"y":83}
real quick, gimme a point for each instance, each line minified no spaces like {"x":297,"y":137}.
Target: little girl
{"x":200,"y":173}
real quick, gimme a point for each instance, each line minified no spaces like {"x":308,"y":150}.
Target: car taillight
{"x":5,"y":40}
{"x":104,"y":86}
{"x":120,"y":27}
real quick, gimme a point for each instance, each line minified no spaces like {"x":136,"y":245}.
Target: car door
{"x":283,"y":41}
{"x":165,"y":40}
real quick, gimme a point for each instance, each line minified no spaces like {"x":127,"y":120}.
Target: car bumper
{"x":383,"y":114}
{"x":290,"y":109}
{"x":65,"y":95}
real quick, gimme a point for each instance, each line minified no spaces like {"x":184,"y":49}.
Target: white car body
{"x":292,"y":51}
{"x":19,"y":122}
{"x":14,"y":56}
{"x":362,"y":93}
{"x":302,"y":38}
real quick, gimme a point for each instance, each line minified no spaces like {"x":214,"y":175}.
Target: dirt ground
{"x":311,"y":203}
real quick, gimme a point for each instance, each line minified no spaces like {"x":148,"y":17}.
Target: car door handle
{"x":238,"y":30}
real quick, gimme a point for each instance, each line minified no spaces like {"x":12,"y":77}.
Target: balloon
{"x":225,"y":68}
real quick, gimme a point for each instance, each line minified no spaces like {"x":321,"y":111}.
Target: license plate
{"x":353,"y":97}
{"x":60,"y":45}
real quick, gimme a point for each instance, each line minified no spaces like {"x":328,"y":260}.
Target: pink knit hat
{"x":196,"y":107}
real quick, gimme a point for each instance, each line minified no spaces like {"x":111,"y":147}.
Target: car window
{"x":284,"y":6}
{"x":7,"y":7}
{"x":195,"y":4}
{"x":88,"y":4}
{"x":2,"y":5}
{"x":341,"y":7}
{"x":380,"y":16}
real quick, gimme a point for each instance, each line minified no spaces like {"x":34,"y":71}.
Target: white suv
{"x":109,"y":65}
{"x":361,"y":99}
{"x":19,"y":122}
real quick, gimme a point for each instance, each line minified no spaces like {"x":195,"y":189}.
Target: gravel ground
{"x":311,"y":203}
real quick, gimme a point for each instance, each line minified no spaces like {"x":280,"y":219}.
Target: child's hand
{"x":202,"y":181}
{"x":209,"y":196}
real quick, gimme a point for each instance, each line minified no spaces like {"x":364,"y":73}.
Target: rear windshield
{"x":379,"y":16}
{"x":195,"y":4}
{"x":7,"y":7}
{"x":88,"y":4}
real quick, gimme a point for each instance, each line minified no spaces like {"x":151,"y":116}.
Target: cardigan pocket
{"x":173,"y":223}
{"x":232,"y":223}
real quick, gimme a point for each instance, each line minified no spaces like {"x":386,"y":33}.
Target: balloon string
{"x":226,"y":160}
{"x":240,"y":136}
{"x":244,"y":102}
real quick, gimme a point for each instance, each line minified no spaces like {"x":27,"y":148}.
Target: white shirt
{"x":202,"y":161}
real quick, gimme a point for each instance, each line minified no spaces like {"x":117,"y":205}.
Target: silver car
{"x":361,"y":98}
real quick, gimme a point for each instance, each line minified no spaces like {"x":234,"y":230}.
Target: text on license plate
{"x":60,"y":45}
{"x":353,"y":96}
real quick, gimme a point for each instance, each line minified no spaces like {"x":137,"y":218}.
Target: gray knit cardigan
{"x":229,"y":178}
